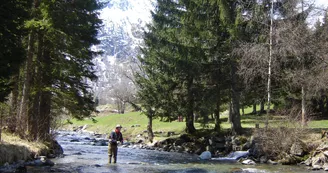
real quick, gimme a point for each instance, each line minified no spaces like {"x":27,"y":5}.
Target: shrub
{"x":274,"y":142}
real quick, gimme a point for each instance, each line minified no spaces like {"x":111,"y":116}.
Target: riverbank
{"x":81,"y":155}
{"x":17,"y":153}
{"x":87,"y":152}
{"x":13,"y":149}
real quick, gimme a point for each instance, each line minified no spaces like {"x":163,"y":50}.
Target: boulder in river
{"x":206,"y":155}
{"x":248,"y":162}
{"x":75,"y":140}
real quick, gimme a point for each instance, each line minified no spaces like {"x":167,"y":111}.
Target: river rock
{"x":179,"y":149}
{"x":256,"y":151}
{"x":75,"y":140}
{"x":299,"y":148}
{"x":179,"y":142}
{"x":318,"y":160}
{"x":323,"y":146}
{"x":139,"y":141}
{"x":246,"y":146}
{"x":49,"y":163}
{"x":263,"y":159}
{"x":325,"y":167}
{"x":220,"y":146}
{"x":185,"y":138}
{"x":84,"y":127}
{"x":101,"y":142}
{"x":289,"y":159}
{"x":316,"y":167}
{"x":248,"y":162}
{"x":170,"y":133}
{"x":166,"y":148}
{"x":236,"y":141}
{"x":199,"y":151}
{"x":206,"y":155}
{"x":272,"y":162}
{"x":21,"y":169}
{"x":218,"y":139}
{"x":308,"y":162}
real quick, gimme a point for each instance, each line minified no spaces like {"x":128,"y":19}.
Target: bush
{"x":275,"y":142}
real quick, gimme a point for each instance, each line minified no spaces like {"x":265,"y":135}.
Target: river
{"x":81,"y":157}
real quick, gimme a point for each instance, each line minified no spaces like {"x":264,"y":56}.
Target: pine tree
{"x":58,"y":63}
{"x":12,"y":16}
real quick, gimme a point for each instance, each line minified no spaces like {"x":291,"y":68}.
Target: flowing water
{"x":81,"y":157}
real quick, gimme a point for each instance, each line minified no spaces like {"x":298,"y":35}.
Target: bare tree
{"x":123,"y":92}
{"x":289,"y":52}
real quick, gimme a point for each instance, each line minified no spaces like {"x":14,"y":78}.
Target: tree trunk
{"x":326,"y":104}
{"x":28,"y":70}
{"x":32,"y":118}
{"x":1,"y":116}
{"x":217,"y":116}
{"x":27,"y":77}
{"x":262,"y":107}
{"x":303,"y":107}
{"x":38,"y":81}
{"x":150,"y":129}
{"x":44,"y":117}
{"x":190,"y":108}
{"x":322,"y":103}
{"x":235,"y":100}
{"x":13,"y":105}
{"x":269,"y":67}
{"x":230,"y":113}
{"x":123,"y":107}
{"x":254,"y":109}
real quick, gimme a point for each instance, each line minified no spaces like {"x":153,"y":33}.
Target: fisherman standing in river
{"x":114,"y":137}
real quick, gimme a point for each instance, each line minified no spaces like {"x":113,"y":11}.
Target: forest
{"x":45,"y":61}
{"x":199,"y":58}
{"x":202,"y":57}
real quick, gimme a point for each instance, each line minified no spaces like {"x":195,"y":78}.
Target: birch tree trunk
{"x":269,"y":68}
{"x":303,"y":107}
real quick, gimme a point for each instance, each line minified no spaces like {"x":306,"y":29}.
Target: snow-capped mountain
{"x":120,"y":36}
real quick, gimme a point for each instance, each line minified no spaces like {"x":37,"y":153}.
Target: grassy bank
{"x":135,"y":123}
{"x":12,"y":149}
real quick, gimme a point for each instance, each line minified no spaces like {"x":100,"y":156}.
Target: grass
{"x":12,"y":149}
{"x":106,"y":123}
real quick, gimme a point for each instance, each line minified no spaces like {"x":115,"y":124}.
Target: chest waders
{"x":112,"y":146}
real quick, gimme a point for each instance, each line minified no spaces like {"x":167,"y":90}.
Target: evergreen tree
{"x":12,"y":16}
{"x":58,"y":63}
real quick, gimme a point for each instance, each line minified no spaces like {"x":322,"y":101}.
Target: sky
{"x":315,"y":17}
{"x":322,"y":2}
